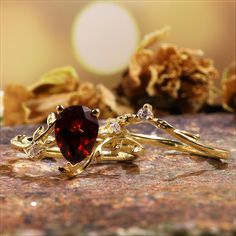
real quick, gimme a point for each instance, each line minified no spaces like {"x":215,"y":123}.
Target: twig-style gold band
{"x":199,"y":149}
{"x":54,"y":152}
{"x":111,"y":142}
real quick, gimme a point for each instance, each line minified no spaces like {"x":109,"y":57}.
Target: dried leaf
{"x":59,"y":80}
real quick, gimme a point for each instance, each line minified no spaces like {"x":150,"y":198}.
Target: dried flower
{"x":170,"y":78}
{"x":59,"y":86}
{"x":229,"y":88}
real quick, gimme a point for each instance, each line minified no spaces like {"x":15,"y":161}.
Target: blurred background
{"x":39,"y":35}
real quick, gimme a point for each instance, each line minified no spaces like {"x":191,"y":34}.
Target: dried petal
{"x":37,"y":109}
{"x":153,"y":37}
{"x":14,"y":97}
{"x":229,"y":88}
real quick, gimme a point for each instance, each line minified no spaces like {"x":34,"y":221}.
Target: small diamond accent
{"x":145,"y":113}
{"x":137,"y":149}
{"x":114,"y":127}
{"x":35,"y":150}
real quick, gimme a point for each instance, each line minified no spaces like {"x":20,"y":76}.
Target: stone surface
{"x":76,"y":131}
{"x":162,"y":193}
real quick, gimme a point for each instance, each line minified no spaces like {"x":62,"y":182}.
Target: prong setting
{"x":59,"y":109}
{"x":95,"y":112}
{"x":147,"y":106}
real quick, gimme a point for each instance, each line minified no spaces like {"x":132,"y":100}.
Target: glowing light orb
{"x":105,"y":36}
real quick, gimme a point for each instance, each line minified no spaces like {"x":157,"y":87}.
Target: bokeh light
{"x":105,"y":36}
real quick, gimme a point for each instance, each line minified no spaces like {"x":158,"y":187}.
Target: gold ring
{"x":79,"y":139}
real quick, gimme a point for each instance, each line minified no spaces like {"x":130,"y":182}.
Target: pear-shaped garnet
{"x":76,"y":131}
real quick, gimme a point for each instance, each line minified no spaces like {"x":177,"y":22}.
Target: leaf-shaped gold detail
{"x":118,"y":147}
{"x":38,"y":132}
{"x":51,"y":119}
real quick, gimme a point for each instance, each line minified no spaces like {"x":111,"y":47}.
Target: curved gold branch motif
{"x":191,"y":142}
{"x":118,"y":149}
{"x":35,"y":146}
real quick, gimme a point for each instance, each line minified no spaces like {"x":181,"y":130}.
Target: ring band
{"x":79,"y":139}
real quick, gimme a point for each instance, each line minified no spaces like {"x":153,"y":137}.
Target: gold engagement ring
{"x":74,"y":133}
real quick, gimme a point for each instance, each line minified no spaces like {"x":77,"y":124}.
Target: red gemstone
{"x":76,"y":131}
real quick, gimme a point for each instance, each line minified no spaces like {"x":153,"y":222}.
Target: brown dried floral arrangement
{"x":170,"y":78}
{"x":60,"y":86}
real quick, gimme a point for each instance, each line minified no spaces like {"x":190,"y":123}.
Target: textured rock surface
{"x":162,"y":193}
